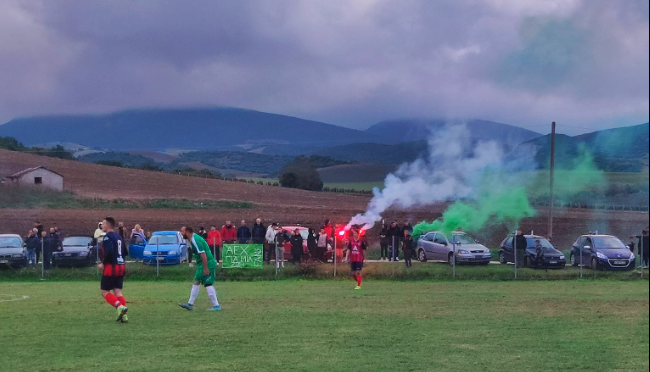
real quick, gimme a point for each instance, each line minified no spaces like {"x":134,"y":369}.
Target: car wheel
{"x":574,"y":262}
{"x":502,"y":258}
{"x":594,"y":263}
{"x":422,"y":256}
{"x":450,"y":259}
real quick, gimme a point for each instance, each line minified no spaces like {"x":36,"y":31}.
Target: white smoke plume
{"x":453,"y":165}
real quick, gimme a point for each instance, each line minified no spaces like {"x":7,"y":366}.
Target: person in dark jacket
{"x":407,"y":227}
{"x":395,"y":234}
{"x":258,"y":232}
{"x":407,"y":248}
{"x":312,"y":244}
{"x":644,"y":248}
{"x":203,"y":233}
{"x":50,"y":245}
{"x":243,"y":233}
{"x":383,"y":242}
{"x":32,"y":245}
{"x":296,"y":246}
{"x":521,"y":244}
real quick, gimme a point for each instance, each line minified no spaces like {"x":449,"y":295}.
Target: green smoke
{"x":508,"y":206}
{"x":502,"y":200}
{"x":580,"y":176}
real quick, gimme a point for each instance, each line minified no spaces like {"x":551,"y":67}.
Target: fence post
{"x":277,"y":263}
{"x":454,"y":259}
{"x":42,"y":258}
{"x":334,"y":253}
{"x":157,"y":262}
{"x":514,"y":245}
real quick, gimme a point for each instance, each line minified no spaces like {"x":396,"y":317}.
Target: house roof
{"x":28,"y":170}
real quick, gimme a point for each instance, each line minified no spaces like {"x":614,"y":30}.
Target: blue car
{"x":602,"y":252}
{"x":165,"y":248}
{"x":136,"y":246}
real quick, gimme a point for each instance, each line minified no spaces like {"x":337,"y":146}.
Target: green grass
{"x":302,"y":325}
{"x":376,"y":271}
{"x":29,"y":197}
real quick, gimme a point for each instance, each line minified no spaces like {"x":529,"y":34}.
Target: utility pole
{"x":552,"y":174}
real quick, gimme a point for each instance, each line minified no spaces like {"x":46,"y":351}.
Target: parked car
{"x":550,"y":258}
{"x":77,"y":251}
{"x":438,"y":246}
{"x":136,"y":246}
{"x":602,"y":252}
{"x":12,"y":251}
{"x":165,"y":248}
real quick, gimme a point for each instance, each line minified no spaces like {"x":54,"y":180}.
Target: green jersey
{"x":198,"y":245}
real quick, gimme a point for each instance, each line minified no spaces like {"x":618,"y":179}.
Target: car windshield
{"x":11,"y":243}
{"x":463,"y":239}
{"x":608,"y":242}
{"x":163,"y":240}
{"x":77,"y":241}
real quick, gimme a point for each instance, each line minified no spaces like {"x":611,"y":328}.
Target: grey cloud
{"x":583,"y":63}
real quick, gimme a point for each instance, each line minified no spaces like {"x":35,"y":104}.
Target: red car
{"x":304,"y":233}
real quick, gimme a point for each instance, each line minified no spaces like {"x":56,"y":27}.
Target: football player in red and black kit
{"x":355,"y":254}
{"x":112,"y":267}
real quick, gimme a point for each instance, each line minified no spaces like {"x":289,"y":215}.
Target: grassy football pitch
{"x":309,"y":325}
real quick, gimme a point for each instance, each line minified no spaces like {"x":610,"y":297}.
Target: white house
{"x":38,"y":176}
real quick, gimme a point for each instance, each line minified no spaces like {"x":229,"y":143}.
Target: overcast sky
{"x":346,"y":62}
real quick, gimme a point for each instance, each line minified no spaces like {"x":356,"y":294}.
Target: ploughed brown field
{"x":272,"y":204}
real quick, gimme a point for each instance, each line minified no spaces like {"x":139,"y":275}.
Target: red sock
{"x":359,"y":280}
{"x":112,"y":300}
{"x":122,"y":300}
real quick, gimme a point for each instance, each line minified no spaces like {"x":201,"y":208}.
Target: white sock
{"x":212,"y":294}
{"x":194,"y":293}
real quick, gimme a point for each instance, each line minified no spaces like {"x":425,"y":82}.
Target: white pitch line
{"x":13,"y":299}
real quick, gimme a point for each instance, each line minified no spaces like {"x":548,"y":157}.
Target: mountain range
{"x":235,"y":139}
{"x":229,"y":129}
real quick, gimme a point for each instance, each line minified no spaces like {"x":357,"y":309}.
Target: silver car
{"x":12,"y":250}
{"x":437,"y":246}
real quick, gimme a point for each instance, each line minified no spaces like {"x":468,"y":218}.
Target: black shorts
{"x":110,"y":283}
{"x":356,"y":266}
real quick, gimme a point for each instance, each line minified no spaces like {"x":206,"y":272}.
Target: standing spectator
{"x":522,"y":244}
{"x":138,"y":229}
{"x":38,"y":251}
{"x":243,"y":233}
{"x":202,"y":233}
{"x":56,"y":238}
{"x":323,"y":242}
{"x":296,"y":246}
{"x":644,"y":250}
{"x":407,"y":227}
{"x":271,"y":232}
{"x":214,"y":241}
{"x":312,"y":244}
{"x":632,"y":244}
{"x":407,"y":248}
{"x":98,"y":237}
{"x":383,"y":242}
{"x":395,"y":234}
{"x":329,"y":230}
{"x":31,"y":246}
{"x":258,"y":232}
{"x":228,"y":233}
{"x":39,"y":227}
{"x":281,"y":238}
{"x":50,"y":245}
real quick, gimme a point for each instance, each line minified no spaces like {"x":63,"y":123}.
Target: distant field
{"x":294,"y":325}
